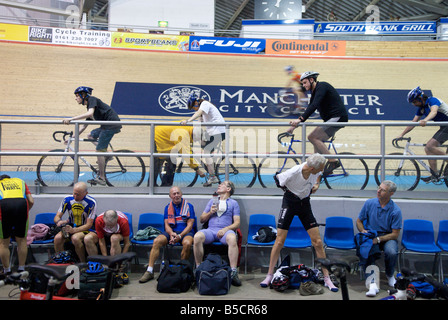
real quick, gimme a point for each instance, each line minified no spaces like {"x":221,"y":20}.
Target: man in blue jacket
{"x":383,"y":216}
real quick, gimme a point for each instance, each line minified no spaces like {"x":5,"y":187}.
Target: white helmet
{"x":309,"y":74}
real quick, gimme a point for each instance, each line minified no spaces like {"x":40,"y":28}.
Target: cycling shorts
{"x":104,"y":137}
{"x":331,"y":131}
{"x":294,"y":206}
{"x":441,"y":135}
{"x":213,"y":142}
{"x":14,"y":218}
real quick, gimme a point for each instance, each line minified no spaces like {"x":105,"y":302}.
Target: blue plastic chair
{"x":145,"y":220}
{"x":339,"y":233}
{"x":131,"y":230}
{"x":256,"y":221}
{"x":442,"y":240}
{"x":298,"y":237}
{"x":418,"y":236}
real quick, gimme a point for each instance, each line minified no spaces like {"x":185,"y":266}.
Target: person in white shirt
{"x":299,"y":183}
{"x":207,"y":112}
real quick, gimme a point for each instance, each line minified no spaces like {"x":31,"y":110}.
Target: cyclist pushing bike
{"x":326,"y":100}
{"x":100,"y":111}
{"x":429,"y":108}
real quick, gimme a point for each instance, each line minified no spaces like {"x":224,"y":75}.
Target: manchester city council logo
{"x":174,"y":99}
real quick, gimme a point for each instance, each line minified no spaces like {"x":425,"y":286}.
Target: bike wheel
{"x":184,"y":176}
{"x":279,"y":110}
{"x":406,"y":178}
{"x":56,"y":171}
{"x":242,"y":170}
{"x":269,"y":166}
{"x":126,"y":171}
{"x":353,"y":174}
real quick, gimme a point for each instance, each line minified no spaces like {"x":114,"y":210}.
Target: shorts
{"x":331,"y":131}
{"x":14,"y":218}
{"x":293,"y":206}
{"x":211,"y":236}
{"x":441,"y":135}
{"x":213,"y":142}
{"x":104,"y":137}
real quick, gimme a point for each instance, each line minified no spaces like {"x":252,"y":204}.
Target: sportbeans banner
{"x":156,"y":99}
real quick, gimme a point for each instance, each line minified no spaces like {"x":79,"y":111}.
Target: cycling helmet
{"x":62,"y":257}
{"x":414,"y":94}
{"x":94,"y":267}
{"x":191,"y":100}
{"x":289,"y":68}
{"x":81,"y":89}
{"x":309,"y":74}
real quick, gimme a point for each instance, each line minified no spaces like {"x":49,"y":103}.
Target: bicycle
{"x":242,"y":170}
{"x":58,"y":274}
{"x":406,"y":173}
{"x":353,"y":173}
{"x":58,"y":171}
{"x":287,"y":104}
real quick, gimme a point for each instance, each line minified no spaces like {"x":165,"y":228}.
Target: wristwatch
{"x":378,"y":239}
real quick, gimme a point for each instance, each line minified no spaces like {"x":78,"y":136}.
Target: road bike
{"x":406,"y":173}
{"x":352,"y":174}
{"x":58,"y":171}
{"x":57,"y":274}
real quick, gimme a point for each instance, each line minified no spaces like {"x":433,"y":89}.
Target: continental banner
{"x":13,"y":32}
{"x":305,"y":47}
{"x":149,"y":41}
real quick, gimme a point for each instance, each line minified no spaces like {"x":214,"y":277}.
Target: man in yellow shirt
{"x":174,"y":139}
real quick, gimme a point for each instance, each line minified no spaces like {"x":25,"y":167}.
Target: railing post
{"x":383,"y":150}
{"x":76,"y":157}
{"x":151,"y":159}
{"x":303,"y":141}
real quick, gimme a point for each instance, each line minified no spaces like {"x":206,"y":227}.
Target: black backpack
{"x":175,"y":277}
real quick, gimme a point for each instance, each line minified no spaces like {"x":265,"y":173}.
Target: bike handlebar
{"x":283,"y":135}
{"x":396,"y":140}
{"x":64,"y":133}
{"x":15,"y":278}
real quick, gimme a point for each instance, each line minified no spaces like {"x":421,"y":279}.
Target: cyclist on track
{"x":294,"y":81}
{"x":100,"y":111}
{"x":326,"y":100}
{"x":207,"y":112}
{"x":430,"y":108}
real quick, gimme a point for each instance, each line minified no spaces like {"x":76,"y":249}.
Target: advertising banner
{"x":229,"y":45}
{"x":305,"y":47}
{"x":13,"y":32}
{"x":382,"y":27}
{"x":149,"y":41}
{"x":155,"y":99}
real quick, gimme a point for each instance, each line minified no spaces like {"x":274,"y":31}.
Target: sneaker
{"x":310,"y":288}
{"x":235,"y":280}
{"x":211,"y":180}
{"x":431,"y":178}
{"x":373,"y":290}
{"x":146,"y":277}
{"x":330,"y":166}
{"x":96,"y":181}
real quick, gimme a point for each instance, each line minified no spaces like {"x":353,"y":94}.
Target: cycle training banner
{"x":157,"y":99}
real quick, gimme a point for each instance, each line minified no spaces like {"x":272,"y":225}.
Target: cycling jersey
{"x":78,"y":211}
{"x":327,"y":101}
{"x":122,"y":226}
{"x":442,"y":112}
{"x":13,"y":188}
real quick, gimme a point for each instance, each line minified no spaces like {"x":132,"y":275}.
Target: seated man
{"x":81,"y":209}
{"x":112,"y":227}
{"x":383,"y":217}
{"x":222,"y":221}
{"x":179,"y":220}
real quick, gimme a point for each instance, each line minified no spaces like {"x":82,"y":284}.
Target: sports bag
{"x":93,"y":282}
{"x":175,"y":277}
{"x":213,"y":276}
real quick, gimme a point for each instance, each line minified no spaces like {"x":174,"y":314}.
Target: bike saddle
{"x":327,"y":263}
{"x":111,"y":261}
{"x":58,"y":272}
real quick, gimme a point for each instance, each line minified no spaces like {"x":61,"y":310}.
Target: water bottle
{"x":215,"y":199}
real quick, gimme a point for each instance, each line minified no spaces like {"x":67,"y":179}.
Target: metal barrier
{"x":226,"y":153}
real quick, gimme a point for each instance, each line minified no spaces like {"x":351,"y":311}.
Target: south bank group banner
{"x":156,"y":99}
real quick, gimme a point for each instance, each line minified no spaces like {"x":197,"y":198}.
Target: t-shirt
{"x":211,"y":114}
{"x":78,"y":211}
{"x":103,"y":112}
{"x":121,"y":228}
{"x":181,"y":223}
{"x":295,"y":182}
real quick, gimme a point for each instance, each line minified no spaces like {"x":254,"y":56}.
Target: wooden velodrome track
{"x":38,"y":83}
